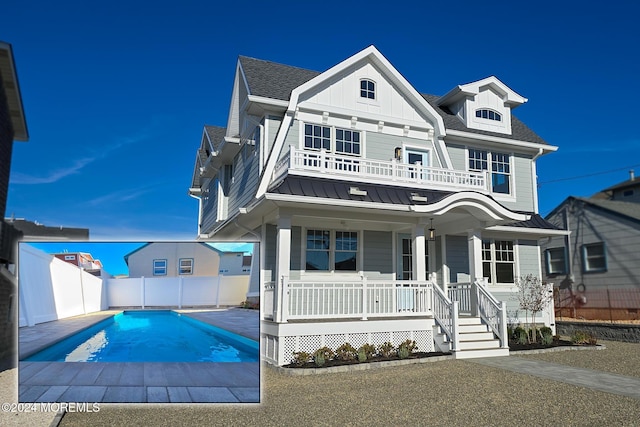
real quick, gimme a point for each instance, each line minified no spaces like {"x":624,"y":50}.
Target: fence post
{"x":220,"y":277}
{"x":142,"y":291}
{"x":284,"y":288}
{"x":455,"y":342}
{"x":364,"y":297}
{"x":504,"y":339}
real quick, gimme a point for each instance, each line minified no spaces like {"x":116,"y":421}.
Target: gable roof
{"x":277,"y":81}
{"x":628,"y":210}
{"x":126,"y":257}
{"x":624,"y":184}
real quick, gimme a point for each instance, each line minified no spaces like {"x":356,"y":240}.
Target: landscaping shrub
{"x":582,"y":337}
{"x":301,"y":357}
{"x":368,"y":350}
{"x":325,"y":352}
{"x":520,"y":335}
{"x":346,"y":352}
{"x":386,"y":350}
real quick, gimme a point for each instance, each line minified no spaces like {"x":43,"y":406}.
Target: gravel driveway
{"x":452,"y":393}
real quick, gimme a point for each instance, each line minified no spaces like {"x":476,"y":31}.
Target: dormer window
{"x":485,"y":113}
{"x":367,"y":89}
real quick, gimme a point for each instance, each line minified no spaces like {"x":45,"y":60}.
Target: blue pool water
{"x":151,"y":336}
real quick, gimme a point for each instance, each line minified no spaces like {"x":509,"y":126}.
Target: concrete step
{"x":479,"y":345}
{"x":475,"y":336}
{"x":473,"y":328}
{"x":468,"y":320}
{"x":475,"y":353}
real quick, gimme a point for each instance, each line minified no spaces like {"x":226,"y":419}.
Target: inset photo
{"x":138,"y":322}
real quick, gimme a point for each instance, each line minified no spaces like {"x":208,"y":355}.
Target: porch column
{"x":419,"y":264}
{"x":475,"y":255}
{"x":283,"y":257}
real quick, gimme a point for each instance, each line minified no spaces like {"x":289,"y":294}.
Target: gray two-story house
{"x":596,"y":268}
{"x":383,"y":214}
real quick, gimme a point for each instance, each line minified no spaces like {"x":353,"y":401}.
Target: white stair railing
{"x":446,"y":314}
{"x":493,"y":312}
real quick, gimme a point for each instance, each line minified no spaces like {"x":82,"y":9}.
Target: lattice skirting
{"x":310,"y":343}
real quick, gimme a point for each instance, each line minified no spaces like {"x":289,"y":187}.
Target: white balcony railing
{"x":322,"y":163}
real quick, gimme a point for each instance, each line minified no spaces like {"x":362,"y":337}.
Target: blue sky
{"x":111,"y":254}
{"x":116,"y":93}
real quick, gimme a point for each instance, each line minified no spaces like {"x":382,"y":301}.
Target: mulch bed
{"x":514,"y":346}
{"x":329,"y":363}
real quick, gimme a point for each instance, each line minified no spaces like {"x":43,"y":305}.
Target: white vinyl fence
{"x":177,"y":291}
{"x":52,"y":289}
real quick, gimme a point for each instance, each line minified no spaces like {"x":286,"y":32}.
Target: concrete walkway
{"x":595,"y":380}
{"x":192,"y":382}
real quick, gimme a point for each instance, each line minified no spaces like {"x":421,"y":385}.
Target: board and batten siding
{"x":377,"y":252}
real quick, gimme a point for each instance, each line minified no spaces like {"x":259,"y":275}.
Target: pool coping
{"x":134,"y":382}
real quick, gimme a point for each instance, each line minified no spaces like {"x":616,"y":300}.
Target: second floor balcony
{"x":392,"y":172}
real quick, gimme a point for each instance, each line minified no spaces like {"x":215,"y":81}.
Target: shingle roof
{"x":628,"y":209}
{"x":34,"y":229}
{"x":623,"y":184}
{"x":273,"y":80}
{"x":519,"y":130}
{"x":216,"y":134}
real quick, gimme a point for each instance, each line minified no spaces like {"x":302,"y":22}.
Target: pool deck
{"x":138,"y":382}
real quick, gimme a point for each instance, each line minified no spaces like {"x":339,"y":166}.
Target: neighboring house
{"x":83,"y":260}
{"x":174,"y":259}
{"x":33,"y":231}
{"x":13,"y":127}
{"x":374,"y":204}
{"x":596,"y":268}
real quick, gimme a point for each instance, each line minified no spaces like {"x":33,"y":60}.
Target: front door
{"x":420,"y":159}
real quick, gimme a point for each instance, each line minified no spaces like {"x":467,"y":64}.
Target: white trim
{"x":268,"y":101}
{"x":523,"y":230}
{"x":498,"y":140}
{"x":375,"y":57}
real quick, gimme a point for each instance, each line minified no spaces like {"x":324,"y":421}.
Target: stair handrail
{"x":493,"y":312}
{"x":445,"y":313}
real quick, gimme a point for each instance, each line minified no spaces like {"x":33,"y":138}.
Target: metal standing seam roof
{"x":273,"y":80}
{"x":334,"y":189}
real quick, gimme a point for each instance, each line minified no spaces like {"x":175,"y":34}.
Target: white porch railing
{"x":348,"y":299}
{"x":493,"y":312}
{"x":267,"y":304}
{"x":445,"y":312}
{"x":461,"y":292}
{"x":391,"y":172}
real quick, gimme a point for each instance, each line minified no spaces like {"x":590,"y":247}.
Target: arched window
{"x":367,"y":89}
{"x":485,"y":113}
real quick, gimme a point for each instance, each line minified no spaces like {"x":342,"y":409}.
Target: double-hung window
{"x":499,"y":165}
{"x":340,"y":141}
{"x":594,"y":258}
{"x":498,"y":261}
{"x":556,"y":261}
{"x":331,"y":250}
{"x":159,"y":267}
{"x":186,"y":266}
{"x":317,"y":137}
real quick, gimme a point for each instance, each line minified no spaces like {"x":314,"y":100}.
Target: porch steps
{"x":476,"y":340}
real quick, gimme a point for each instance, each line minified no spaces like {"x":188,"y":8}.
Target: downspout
{"x":199,"y":199}
{"x":534,"y":178}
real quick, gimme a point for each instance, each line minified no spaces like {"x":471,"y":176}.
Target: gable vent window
{"x":484,"y":113}
{"x":367,"y":89}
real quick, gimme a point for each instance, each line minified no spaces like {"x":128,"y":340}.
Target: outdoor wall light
{"x":432,"y":231}
{"x":398,"y":153}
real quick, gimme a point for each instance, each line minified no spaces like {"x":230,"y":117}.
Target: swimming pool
{"x":151,"y":336}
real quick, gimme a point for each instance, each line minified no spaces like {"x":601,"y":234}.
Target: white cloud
{"x":54,"y":176}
